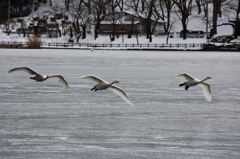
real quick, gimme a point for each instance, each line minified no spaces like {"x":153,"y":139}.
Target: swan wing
{"x":120,"y":93}
{"x":186,"y":77}
{"x":61,"y":80}
{"x":206,"y":91}
{"x":94,"y":79}
{"x":26,"y":69}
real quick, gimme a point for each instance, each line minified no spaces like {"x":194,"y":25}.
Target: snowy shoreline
{"x":114,"y":46}
{"x":121,"y":43}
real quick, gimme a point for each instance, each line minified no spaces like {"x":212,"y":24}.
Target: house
{"x":193,"y":34}
{"x":42,"y":27}
{"x":125,"y":23}
{"x":52,"y":30}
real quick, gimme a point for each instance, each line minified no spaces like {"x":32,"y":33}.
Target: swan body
{"x":102,"y":85}
{"x":191,"y":81}
{"x":40,"y":77}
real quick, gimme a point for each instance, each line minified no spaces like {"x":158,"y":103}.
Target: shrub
{"x":34,"y":42}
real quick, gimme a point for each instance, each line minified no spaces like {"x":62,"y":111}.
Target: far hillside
{"x":80,"y":20}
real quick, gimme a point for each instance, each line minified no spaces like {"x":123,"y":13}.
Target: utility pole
{"x":8,"y":23}
{"x":207,"y":20}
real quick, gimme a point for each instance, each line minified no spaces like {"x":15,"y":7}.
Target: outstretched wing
{"x":186,"y":77}
{"x":121,"y":93}
{"x":26,"y":69}
{"x":61,"y":80}
{"x":94,"y":79}
{"x":206,"y":91}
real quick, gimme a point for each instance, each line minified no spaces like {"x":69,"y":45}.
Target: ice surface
{"x":42,"y":120}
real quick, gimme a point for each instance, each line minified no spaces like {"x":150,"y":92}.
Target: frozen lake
{"x":44,"y":121}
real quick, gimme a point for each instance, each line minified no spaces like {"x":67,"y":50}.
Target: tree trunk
{"x":238,"y":11}
{"x":184,"y":31}
{"x":199,"y":6}
{"x":137,"y":38}
{"x":71,"y":33}
{"x":143,"y":5}
{"x":67,"y":4}
{"x":215,"y":17}
{"x":97,"y":26}
{"x":149,"y":31}
{"x":112,"y":37}
{"x":20,"y":8}
{"x":132,"y":29}
{"x":50,"y":2}
{"x":77,"y":31}
{"x":216,"y":12}
{"x":96,"y":29}
{"x":59,"y":31}
{"x":167,"y":39}
{"x":84,"y":31}
{"x":95,"y":33}
{"x":23,"y":30}
{"x":150,"y":38}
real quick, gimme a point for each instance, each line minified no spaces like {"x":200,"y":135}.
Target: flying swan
{"x":101,"y":85}
{"x":191,"y":81}
{"x":40,"y":78}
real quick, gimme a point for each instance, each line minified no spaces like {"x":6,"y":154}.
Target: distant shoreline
{"x":145,"y":47}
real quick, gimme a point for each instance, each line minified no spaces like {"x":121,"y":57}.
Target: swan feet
{"x":182,"y":84}
{"x":186,"y":88}
{"x":33,"y":78}
{"x":94,"y":89}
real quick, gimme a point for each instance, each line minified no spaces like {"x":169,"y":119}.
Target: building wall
{"x":119,"y":28}
{"x":124,"y":25}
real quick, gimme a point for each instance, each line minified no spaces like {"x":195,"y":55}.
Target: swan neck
{"x":204,"y":79}
{"x":111,"y":83}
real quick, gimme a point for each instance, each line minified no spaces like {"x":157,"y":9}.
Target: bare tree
{"x":183,"y":13}
{"x":98,"y":9}
{"x":148,"y":15}
{"x":165,"y":11}
{"x":113,"y":17}
{"x":133,"y":5}
{"x":148,"y":21}
{"x":237,"y":25}
{"x":67,"y":3}
{"x":230,"y":6}
{"x":238,"y":11}
{"x":23,"y":27}
{"x":216,"y":13}
{"x":79,"y":11}
{"x":120,"y":4}
{"x":57,"y":10}
{"x":50,"y":2}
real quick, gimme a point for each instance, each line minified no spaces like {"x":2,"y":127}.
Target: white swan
{"x":101,"y":85}
{"x":190,"y":81}
{"x":40,"y":78}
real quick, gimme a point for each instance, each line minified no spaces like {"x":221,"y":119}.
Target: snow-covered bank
{"x":97,"y":46}
{"x":121,"y":43}
{"x":104,"y":42}
{"x":102,"y":46}
{"x":105,"y":39}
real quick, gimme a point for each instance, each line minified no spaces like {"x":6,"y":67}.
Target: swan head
{"x":208,"y":77}
{"x":115,"y":81}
